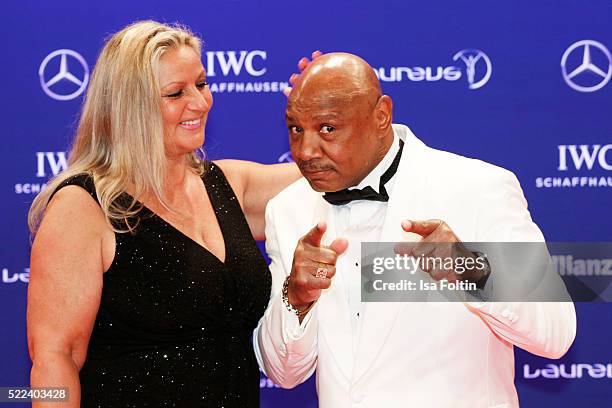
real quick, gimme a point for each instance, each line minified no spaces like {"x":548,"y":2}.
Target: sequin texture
{"x":174,"y":324}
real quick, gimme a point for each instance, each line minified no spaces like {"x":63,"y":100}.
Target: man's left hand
{"x":302,"y":64}
{"x":440,"y":243}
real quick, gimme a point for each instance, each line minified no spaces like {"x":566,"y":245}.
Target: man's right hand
{"x":309,"y":258}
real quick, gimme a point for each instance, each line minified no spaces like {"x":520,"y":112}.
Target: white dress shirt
{"x":358,"y":221}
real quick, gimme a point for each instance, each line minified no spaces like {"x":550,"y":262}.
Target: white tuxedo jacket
{"x":411,"y":354}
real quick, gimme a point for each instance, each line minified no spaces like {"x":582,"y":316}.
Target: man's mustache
{"x":312,"y":166}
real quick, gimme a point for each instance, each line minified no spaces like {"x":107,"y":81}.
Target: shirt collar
{"x":373,"y":177}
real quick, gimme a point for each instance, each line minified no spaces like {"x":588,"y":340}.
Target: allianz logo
{"x":566,"y":265}
{"x":587,"y":155}
{"x":16,"y":277}
{"x":556,"y":371}
{"x":234,"y":62}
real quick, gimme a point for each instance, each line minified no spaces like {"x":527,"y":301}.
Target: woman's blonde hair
{"x":120,"y":139}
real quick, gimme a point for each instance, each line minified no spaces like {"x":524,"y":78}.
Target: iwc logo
{"x":48,"y":164}
{"x":234,"y":71}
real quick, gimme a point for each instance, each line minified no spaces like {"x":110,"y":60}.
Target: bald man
{"x":366,"y":180}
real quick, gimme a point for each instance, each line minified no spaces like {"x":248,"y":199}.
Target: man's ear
{"x":384,"y":112}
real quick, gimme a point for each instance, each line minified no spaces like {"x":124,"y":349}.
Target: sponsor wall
{"x":525,"y":85}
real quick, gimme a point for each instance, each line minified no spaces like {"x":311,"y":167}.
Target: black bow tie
{"x":368,"y":193}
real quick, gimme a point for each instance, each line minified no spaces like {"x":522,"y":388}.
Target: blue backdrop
{"x":522,"y":84}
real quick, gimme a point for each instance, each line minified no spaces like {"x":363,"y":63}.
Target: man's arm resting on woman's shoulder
{"x":255,"y":184}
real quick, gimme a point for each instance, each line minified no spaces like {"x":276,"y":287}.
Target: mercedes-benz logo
{"x":602,"y":73}
{"x":286,"y":157}
{"x":470,"y":57}
{"x":64,"y":74}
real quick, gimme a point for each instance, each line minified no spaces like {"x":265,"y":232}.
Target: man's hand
{"x":313,"y":267}
{"x":438,"y":242}
{"x":302,"y":64}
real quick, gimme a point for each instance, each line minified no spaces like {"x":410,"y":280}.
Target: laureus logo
{"x":477,"y":71}
{"x":569,"y":371}
{"x":16,"y":277}
{"x":478,"y":67}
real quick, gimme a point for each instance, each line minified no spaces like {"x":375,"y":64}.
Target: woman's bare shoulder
{"x":73,"y":221}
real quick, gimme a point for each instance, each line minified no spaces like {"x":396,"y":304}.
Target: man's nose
{"x":308,"y":147}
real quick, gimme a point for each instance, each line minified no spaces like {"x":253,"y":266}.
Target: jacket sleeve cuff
{"x":293,"y":330}
{"x":298,"y":337}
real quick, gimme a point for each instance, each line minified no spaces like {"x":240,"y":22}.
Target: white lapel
{"x":379,"y":317}
{"x":333,"y":311}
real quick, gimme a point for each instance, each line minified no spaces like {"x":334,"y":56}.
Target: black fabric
{"x":174,"y":323}
{"x":367,"y":193}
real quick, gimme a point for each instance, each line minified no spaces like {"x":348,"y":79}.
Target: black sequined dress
{"x":175,"y":323}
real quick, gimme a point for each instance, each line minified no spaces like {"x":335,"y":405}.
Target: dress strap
{"x":225,"y":204}
{"x":219,"y":189}
{"x":83,"y":180}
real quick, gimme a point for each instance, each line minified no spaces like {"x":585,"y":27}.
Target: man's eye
{"x":201,"y":85}
{"x":295,"y":129}
{"x":327,"y":129}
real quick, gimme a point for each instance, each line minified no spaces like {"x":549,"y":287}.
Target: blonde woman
{"x":146,"y":282}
